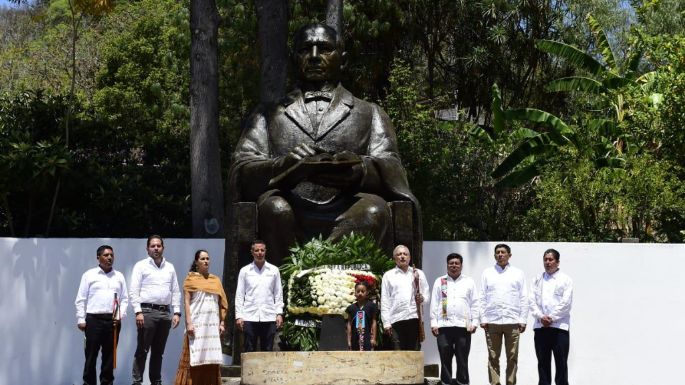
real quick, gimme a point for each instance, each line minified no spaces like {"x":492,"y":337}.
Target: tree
{"x":449,"y":169}
{"x":205,"y":164}
{"x":32,"y":156}
{"x":272,"y":32}
{"x":605,"y":83}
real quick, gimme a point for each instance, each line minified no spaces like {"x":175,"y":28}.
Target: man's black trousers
{"x":550,"y":341}
{"x":454,"y":341}
{"x":99,"y":329}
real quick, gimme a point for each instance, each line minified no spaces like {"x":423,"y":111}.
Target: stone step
{"x":429,"y":371}
{"x":236,"y":381}
{"x":230,"y":371}
{"x":333,"y":367}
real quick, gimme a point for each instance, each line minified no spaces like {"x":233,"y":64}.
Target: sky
{"x":5,"y":3}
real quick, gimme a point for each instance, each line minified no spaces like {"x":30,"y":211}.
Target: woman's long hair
{"x":193,"y":266}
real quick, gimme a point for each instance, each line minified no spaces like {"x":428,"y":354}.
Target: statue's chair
{"x":241,"y":230}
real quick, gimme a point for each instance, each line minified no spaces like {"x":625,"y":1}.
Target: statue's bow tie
{"x":318,"y":95}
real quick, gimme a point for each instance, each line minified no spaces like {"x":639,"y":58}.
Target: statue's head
{"x":318,"y":54}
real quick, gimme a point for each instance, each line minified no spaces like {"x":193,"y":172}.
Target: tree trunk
{"x":334,"y":16}
{"x":205,"y":163}
{"x":272,"y":34}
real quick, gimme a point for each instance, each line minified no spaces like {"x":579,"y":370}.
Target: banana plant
{"x":549,"y":133}
{"x":535,"y":145}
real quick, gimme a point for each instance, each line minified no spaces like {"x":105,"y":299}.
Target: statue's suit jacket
{"x":349,"y":124}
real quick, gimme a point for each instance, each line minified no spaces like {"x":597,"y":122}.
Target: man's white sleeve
{"x":563,"y":308}
{"x":175,"y":293}
{"x":385,"y":302}
{"x":123,"y":303}
{"x":80,"y":302}
{"x":435,"y":303}
{"x":134,"y":290}
{"x":524,"y":303}
{"x":240,"y":295}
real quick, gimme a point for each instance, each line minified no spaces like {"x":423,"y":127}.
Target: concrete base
{"x":332,"y":368}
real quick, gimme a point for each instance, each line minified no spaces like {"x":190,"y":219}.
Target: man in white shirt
{"x":259,"y":300}
{"x":101,"y":303}
{"x":402,"y":289}
{"x":504,"y":312}
{"x":551,"y":308}
{"x":154,"y":292}
{"x":454,"y":315}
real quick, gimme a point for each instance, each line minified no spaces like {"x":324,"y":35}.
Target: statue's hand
{"x":288,"y":170}
{"x":296,"y":155}
{"x":348,"y":178}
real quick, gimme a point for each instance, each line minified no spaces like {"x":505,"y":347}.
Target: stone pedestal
{"x":332,"y":368}
{"x":333,"y":333}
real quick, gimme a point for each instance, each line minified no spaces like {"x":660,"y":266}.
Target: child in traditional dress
{"x":361,"y":320}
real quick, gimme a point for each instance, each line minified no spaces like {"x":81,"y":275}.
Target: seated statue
{"x":320,"y":162}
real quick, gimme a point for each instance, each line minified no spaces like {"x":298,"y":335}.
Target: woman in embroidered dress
{"x":205,"y":308}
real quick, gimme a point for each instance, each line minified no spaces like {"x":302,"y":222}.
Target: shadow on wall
{"x":39,"y":279}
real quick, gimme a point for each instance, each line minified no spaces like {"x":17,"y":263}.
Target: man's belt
{"x":154,"y":306}
{"x":105,"y":316}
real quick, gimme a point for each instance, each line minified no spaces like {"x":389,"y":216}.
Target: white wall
{"x":628,"y":306}
{"x":626,"y":314}
{"x":38,"y":283}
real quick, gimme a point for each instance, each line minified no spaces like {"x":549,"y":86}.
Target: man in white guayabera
{"x":504,"y":313}
{"x":259,"y":300}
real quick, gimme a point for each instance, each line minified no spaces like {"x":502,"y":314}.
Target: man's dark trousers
{"x":550,"y":341}
{"x":99,"y":336}
{"x":405,"y":335}
{"x":454,"y":341}
{"x":151,"y":338}
{"x":264,"y":331}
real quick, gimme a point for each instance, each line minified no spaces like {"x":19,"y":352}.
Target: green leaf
{"x":533,"y":146}
{"x":560,"y":133}
{"x":603,"y":127}
{"x":572,"y":54}
{"x":520,"y":177}
{"x":602,"y":43}
{"x":613,"y":83}
{"x":610,"y":162}
{"x":575,"y":83}
{"x":481,"y":132}
{"x":497,"y":113}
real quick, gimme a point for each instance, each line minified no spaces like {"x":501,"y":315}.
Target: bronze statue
{"x":321,"y":161}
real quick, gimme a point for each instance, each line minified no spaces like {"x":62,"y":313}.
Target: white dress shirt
{"x":154,"y":284}
{"x":504,"y":296}
{"x":552,"y":296}
{"x":259,"y":294}
{"x":96,"y":293}
{"x":397,"y":295}
{"x":462,"y":302}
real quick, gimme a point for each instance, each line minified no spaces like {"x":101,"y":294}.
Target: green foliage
{"x":588,"y":204}
{"x":129,"y":142}
{"x":32,"y":155}
{"x":238,"y":74}
{"x":351,"y":249}
{"x":660,"y":17}
{"x":613,"y":110}
{"x":448,"y":165}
